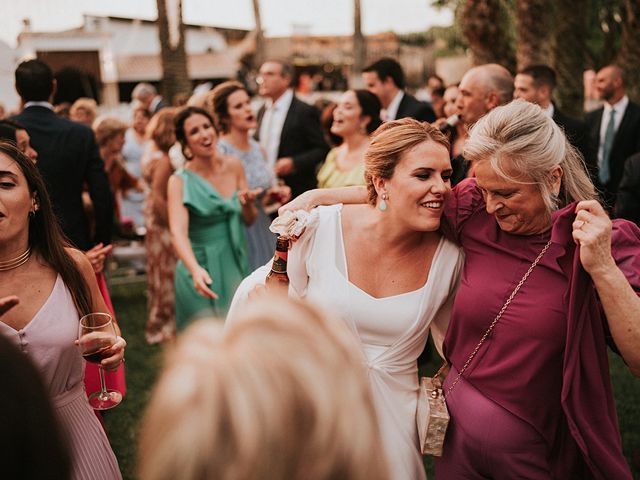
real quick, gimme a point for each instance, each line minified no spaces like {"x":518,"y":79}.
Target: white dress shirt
{"x":392,"y":109}
{"x":620,"y":108}
{"x":38,"y":104}
{"x":271,"y":126}
{"x":550,"y":110}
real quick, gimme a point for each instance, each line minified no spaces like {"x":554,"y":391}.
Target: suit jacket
{"x":628,"y":201}
{"x":414,"y":108}
{"x":626,"y":142}
{"x":302,"y":140}
{"x":68,"y":157}
{"x":576,"y":132}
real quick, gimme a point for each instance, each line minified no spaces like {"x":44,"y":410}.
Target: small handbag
{"x":432,"y":415}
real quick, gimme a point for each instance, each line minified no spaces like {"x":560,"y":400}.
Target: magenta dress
{"x":543,"y":370}
{"x":48,"y":340}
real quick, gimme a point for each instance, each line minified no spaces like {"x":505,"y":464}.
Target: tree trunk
{"x":359,"y":46}
{"x":485,"y":26}
{"x":569,"y":56}
{"x":175,"y":78}
{"x":629,"y":56}
{"x":534,"y":23}
{"x":260,"y":50}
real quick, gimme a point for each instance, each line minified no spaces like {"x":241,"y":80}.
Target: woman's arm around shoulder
{"x":326,"y":196}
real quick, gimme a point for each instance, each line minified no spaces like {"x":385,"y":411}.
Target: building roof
{"x":137,"y":68}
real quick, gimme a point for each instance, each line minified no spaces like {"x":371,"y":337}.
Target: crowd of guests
{"x":487,"y":189}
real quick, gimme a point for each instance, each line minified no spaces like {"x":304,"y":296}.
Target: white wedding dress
{"x":392,"y":330}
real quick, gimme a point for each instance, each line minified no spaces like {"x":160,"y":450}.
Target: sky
{"x":318,"y":17}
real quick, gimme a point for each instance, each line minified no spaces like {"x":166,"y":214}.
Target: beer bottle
{"x":278,"y":274}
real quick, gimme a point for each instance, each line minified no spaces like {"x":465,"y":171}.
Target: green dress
{"x":217,"y":237}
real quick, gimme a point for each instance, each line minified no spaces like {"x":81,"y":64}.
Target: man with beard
{"x":614,"y":132}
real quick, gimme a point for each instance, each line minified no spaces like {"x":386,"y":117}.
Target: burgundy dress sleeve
{"x":464,"y":200}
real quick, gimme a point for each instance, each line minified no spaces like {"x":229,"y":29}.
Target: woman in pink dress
{"x":56,"y":285}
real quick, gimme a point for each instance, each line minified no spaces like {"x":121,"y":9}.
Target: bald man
{"x":614,"y":132}
{"x":482,"y":89}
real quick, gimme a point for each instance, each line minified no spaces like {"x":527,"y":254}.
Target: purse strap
{"x":495,"y":320}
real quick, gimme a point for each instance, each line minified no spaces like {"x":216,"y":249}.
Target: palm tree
{"x":359,"y":45}
{"x":175,"y":78}
{"x":534,"y":20}
{"x":486,"y":28}
{"x":260,"y":50}
{"x":569,"y":53}
{"x":629,"y":56}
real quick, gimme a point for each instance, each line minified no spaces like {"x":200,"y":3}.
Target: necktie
{"x":604,"y":173}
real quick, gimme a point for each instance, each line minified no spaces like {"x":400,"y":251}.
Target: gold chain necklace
{"x":15,"y":262}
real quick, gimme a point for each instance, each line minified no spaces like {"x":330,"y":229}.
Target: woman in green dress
{"x":207,"y":201}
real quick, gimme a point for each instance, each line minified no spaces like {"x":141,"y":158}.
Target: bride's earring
{"x":382,"y":205}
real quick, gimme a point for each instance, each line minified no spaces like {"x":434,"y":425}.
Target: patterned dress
{"x":161,"y":262}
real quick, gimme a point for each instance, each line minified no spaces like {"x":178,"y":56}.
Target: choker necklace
{"x":15,"y":262}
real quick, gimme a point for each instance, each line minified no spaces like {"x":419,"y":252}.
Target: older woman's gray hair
{"x":521,"y":138}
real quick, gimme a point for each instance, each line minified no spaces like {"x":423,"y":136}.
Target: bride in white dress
{"x":387,"y":272}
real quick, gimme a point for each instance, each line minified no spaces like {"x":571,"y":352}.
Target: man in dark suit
{"x":614,"y":132}
{"x":385,"y":79}
{"x":288,"y":129}
{"x":535,"y":84}
{"x":628,"y":200}
{"x":68,"y":158}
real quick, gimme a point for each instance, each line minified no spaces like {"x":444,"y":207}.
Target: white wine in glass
{"x":96,"y":336}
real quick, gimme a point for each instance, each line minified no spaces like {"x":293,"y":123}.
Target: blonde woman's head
{"x":84,"y":110}
{"x":523,"y":151}
{"x":281,"y":393}
{"x":109,"y":129}
{"x":389,"y":143}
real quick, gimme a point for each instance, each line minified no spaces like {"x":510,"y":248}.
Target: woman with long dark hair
{"x":56,"y":286}
{"x":208,"y":202}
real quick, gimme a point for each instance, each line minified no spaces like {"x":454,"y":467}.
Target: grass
{"x":143,"y":363}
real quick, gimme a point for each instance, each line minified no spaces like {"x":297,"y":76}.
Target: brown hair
{"x":281,"y":393}
{"x":390,"y":142}
{"x":161,"y":129}
{"x":45,"y":235}
{"x":217,"y":103}
{"x":108,"y":128}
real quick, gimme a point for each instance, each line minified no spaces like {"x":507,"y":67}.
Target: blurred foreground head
{"x":280,"y":393}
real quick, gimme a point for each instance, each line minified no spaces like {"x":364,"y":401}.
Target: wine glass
{"x":96,"y":336}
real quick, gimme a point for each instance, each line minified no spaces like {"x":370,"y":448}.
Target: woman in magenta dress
{"x":55,"y":285}
{"x":536,"y":401}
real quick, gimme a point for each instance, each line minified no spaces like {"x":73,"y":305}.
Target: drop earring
{"x":382,"y":205}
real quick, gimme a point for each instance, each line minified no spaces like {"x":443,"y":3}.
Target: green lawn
{"x":143,"y":360}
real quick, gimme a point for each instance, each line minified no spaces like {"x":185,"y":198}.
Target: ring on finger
{"x":579,"y":227}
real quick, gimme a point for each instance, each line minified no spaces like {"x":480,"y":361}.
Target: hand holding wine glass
{"x":99,"y":343}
